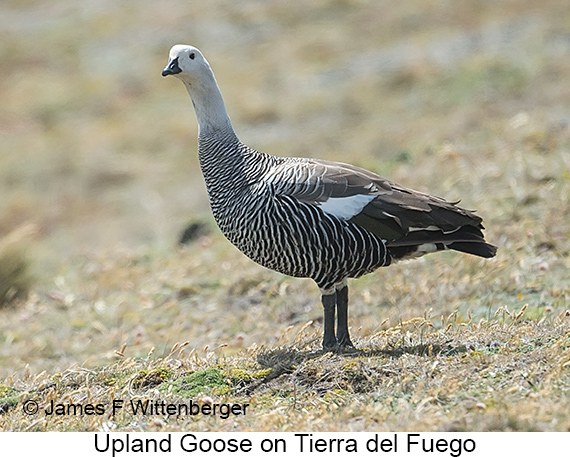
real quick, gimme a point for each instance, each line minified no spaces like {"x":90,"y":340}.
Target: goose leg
{"x":342,"y":335}
{"x":329,"y":305}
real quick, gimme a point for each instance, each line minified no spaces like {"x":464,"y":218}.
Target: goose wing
{"x":401,"y":216}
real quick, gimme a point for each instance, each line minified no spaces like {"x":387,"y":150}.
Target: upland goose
{"x":312,"y":218}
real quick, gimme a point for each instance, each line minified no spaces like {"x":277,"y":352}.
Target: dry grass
{"x":97,"y":152}
{"x":507,"y":374}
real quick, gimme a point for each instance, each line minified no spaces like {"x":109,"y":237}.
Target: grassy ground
{"x":99,"y":176}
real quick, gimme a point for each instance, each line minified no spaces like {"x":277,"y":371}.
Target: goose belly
{"x":301,"y":240}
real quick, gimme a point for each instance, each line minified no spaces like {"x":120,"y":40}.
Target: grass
{"x":99,"y":178}
{"x":507,"y":374}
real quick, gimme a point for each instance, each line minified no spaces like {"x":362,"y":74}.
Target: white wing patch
{"x":346,"y":207}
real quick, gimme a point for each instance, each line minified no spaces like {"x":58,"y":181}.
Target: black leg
{"x":342,"y":318}
{"x":329,"y":303}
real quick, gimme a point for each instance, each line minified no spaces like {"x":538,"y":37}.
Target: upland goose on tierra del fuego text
{"x":312,"y":218}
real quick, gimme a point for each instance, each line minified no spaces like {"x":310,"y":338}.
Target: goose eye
{"x":192,"y":55}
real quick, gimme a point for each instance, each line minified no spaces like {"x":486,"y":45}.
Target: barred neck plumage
{"x":229,"y":166}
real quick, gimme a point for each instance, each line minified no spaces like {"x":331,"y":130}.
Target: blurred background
{"x":98,"y":157}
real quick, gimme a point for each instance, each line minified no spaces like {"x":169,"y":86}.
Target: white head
{"x":187,"y":63}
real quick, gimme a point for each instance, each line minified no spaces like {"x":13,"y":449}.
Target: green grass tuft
{"x":210,"y":381}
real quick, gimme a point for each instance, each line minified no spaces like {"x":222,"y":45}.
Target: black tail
{"x":468,"y":239}
{"x":480,"y":248}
